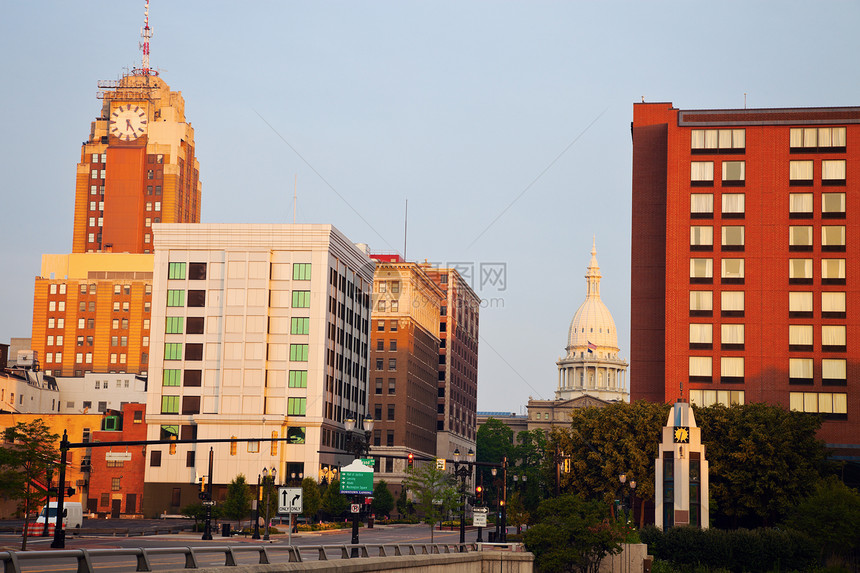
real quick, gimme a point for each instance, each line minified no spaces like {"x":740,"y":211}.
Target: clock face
{"x":681,"y":435}
{"x":128,"y":122}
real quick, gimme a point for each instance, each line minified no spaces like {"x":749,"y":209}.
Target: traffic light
{"x":233,"y":446}
{"x":410,"y":460}
{"x":70,"y":491}
{"x":172,"y":445}
{"x":479,"y":494}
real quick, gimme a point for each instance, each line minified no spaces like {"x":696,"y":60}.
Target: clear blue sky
{"x":463,"y":107}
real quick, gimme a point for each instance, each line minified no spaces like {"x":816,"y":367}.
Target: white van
{"x":73,"y":514}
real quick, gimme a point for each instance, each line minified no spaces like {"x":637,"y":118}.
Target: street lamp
{"x":463,"y":473}
{"x":494,"y":471}
{"x":267,"y":475}
{"x":256,"y":510}
{"x":623,"y":479}
{"x":358,"y":446}
{"x":633,"y":501}
{"x":295,"y":481}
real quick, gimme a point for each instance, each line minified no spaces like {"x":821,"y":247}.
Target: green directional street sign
{"x":369,"y":462}
{"x":356,"y":478}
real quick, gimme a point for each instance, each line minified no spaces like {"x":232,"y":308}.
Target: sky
{"x":506,"y":126}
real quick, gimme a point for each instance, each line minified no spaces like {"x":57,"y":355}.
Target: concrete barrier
{"x":472,"y":562}
{"x":630,"y":560}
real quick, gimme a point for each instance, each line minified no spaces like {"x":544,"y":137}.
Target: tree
{"x":434,"y":493}
{"x":572,"y":535}
{"x":195,"y":511}
{"x":528,"y":456}
{"x":311,"y":498}
{"x":29,"y":452}
{"x":383,"y":501}
{"x":763,"y":460}
{"x":237,"y":506}
{"x":516,"y":512}
{"x":404,"y":506}
{"x":334,"y":503}
{"x":601,"y":444}
{"x":493,"y":442}
{"x":830,"y":516}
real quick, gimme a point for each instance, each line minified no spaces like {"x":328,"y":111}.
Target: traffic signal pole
{"x":59,"y":541}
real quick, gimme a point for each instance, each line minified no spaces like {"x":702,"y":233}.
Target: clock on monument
{"x":681,"y":435}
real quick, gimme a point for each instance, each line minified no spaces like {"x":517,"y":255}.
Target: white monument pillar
{"x":681,"y":481}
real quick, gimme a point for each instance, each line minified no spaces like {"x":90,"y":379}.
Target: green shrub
{"x":741,"y":550}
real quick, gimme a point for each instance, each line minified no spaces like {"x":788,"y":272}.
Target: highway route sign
{"x":289,"y":500}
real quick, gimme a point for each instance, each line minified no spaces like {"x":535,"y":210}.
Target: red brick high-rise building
{"x":745,"y":225}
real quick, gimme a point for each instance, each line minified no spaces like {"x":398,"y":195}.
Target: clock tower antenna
{"x":146,"y":34}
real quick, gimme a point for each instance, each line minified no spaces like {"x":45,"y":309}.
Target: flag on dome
{"x":591,"y":346}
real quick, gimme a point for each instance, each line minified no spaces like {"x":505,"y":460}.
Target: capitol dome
{"x":592,"y":367}
{"x":592,"y":323}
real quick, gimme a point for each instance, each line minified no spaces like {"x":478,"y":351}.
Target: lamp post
{"x":357,"y":446}
{"x":504,"y":538}
{"x":295,"y":481}
{"x":463,"y":473}
{"x":623,"y":479}
{"x":517,"y":480}
{"x":256,"y":510}
{"x":267,"y":475}
{"x":207,"y":501}
{"x":494,"y":471}
{"x":633,"y":501}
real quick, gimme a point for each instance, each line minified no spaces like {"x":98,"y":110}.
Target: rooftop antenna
{"x":745,"y":100}
{"x":295,"y":192}
{"x":146,"y":34}
{"x":405,"y":224}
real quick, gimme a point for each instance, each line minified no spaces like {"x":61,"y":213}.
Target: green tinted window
{"x":298,"y":378}
{"x":173,"y":325}
{"x":173,"y":351}
{"x":171,"y":377}
{"x":296,"y":406}
{"x":299,"y":352}
{"x":175,"y":297}
{"x":301,"y":299}
{"x":302,"y":272}
{"x":170,"y":404}
{"x":176,"y":271}
{"x":300,"y":325}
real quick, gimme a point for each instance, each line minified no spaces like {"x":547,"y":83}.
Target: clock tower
{"x":138,"y":166}
{"x":681,"y":481}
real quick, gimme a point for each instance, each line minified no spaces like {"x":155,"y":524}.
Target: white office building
{"x":258,"y":331}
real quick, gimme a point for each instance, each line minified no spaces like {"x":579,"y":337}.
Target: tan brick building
{"x":404,"y":362}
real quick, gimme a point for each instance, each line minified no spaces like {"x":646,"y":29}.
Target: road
{"x":387,"y":534}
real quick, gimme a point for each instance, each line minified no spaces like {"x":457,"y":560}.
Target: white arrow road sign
{"x":289,"y":500}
